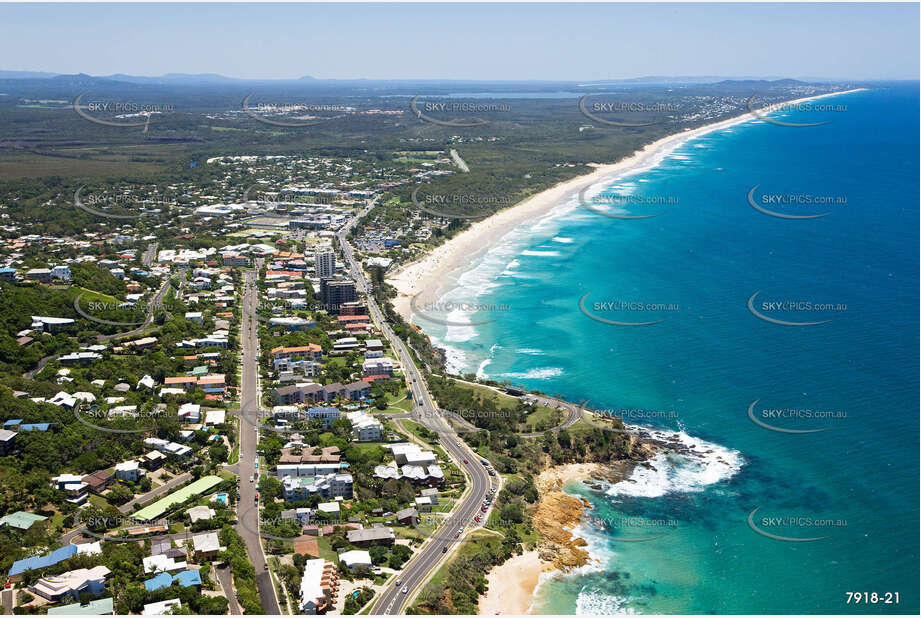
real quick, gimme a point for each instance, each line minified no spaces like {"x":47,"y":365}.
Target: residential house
{"x":130,"y":471}
{"x":207,"y":546}
{"x":72,"y":584}
{"x":371,"y":536}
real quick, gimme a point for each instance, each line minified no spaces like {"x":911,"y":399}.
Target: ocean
{"x":782,"y":352}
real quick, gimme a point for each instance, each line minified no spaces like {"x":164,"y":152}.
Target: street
{"x":423,"y":564}
{"x":250,"y":401}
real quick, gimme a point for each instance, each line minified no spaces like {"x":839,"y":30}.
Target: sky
{"x":465,"y":41}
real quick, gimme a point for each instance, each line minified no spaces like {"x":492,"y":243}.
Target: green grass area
{"x":326,"y":552}
{"x":336,"y":361}
{"x":400,"y":406}
{"x":543,"y":417}
{"x":408,"y":532}
{"x":417,"y":430}
{"x":98,"y":501}
{"x":502,"y":401}
{"x":478,"y":537}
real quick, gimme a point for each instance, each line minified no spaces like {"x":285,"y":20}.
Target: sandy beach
{"x":429,"y":275}
{"x":511,"y":586}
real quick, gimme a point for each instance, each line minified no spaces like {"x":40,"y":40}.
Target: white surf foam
{"x":543,"y":373}
{"x":593,"y":603}
{"x":704,"y":464}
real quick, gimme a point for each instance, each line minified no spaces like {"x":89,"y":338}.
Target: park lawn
{"x":503,"y":401}
{"x":550,"y":417}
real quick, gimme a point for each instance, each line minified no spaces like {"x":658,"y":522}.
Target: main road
{"x":250,"y":401}
{"x":424,"y":411}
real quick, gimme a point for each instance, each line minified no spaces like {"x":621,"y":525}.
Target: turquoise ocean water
{"x":676,"y":537}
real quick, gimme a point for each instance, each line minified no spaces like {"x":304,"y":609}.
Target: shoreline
{"x":511,"y":585}
{"x":429,"y":274}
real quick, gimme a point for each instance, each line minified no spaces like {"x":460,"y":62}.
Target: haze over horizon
{"x":507,"y":42}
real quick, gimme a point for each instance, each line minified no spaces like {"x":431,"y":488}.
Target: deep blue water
{"x":700,"y":368}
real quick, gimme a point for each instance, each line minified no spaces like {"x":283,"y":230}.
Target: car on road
{"x":456,"y":535}
{"x":444,"y":549}
{"x":465,"y":461}
{"x":405,"y":589}
{"x":399,"y":581}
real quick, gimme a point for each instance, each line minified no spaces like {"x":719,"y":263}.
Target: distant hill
{"x":217,"y":79}
{"x":26,"y":75}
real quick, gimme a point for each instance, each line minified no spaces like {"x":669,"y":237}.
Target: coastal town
{"x":226,"y":410}
{"x":227,"y":380}
{"x":145,"y":347}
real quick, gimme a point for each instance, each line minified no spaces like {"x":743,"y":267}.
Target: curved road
{"x":423,"y":564}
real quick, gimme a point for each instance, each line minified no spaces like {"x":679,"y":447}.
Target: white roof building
{"x":356,"y":558}
{"x":160,"y":563}
{"x":160,"y":608}
{"x":215,"y":417}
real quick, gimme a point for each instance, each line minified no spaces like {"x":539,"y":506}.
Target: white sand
{"x":431,"y":272}
{"x":512,"y":585}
